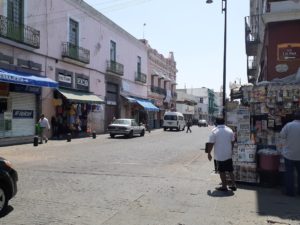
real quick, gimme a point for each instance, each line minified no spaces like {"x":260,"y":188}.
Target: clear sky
{"x":193,"y":30}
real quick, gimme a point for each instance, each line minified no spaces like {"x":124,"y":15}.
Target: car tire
{"x":143,"y":133}
{"x":112,"y":135}
{"x":3,"y":199}
{"x":183,"y":129}
{"x":165,"y":128}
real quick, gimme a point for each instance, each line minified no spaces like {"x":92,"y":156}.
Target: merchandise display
{"x":264,"y":109}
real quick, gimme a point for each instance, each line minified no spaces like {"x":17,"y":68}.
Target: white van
{"x":174,"y":120}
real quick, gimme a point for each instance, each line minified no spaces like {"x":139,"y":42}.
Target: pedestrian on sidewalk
{"x":291,"y":153}
{"x":222,"y":139}
{"x":45,"y":126}
{"x":188,"y":125}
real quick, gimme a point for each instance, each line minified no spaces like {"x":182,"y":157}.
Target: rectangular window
{"x":201,"y":100}
{"x":15,"y":16}
{"x":139,"y":65}
{"x":74,"y":32}
{"x":113,"y":51}
{"x":15,"y":11}
{"x":152,"y":80}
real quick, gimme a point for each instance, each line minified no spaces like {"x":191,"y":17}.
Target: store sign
{"x":24,"y":88}
{"x":82,"y":82}
{"x":13,"y":78}
{"x":65,"y":80}
{"x":288,"y":51}
{"x":22,"y":114}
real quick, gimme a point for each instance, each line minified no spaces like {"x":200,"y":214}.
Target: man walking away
{"x":222,"y":139}
{"x":189,"y":124}
{"x":44,"y":125}
{"x":291,"y":153}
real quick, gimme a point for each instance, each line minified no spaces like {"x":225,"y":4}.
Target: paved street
{"x":163,"y":178}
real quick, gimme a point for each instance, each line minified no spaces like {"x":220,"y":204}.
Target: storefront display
{"x":259,"y":144}
{"x":244,"y":151}
{"x":73,"y":116}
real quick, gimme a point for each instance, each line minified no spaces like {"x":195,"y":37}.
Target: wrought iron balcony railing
{"x":158,"y":90}
{"x":75,"y":52}
{"x":114,"y":67}
{"x":141,"y":77}
{"x":19,"y":32}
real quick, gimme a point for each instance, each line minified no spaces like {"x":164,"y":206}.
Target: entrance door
{"x":110,"y":112}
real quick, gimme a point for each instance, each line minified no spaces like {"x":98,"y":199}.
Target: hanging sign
{"x":288,"y":51}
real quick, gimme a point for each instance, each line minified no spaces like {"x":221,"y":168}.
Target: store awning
{"x":16,"y":77}
{"x":80,"y":97}
{"x":146,"y":104}
{"x":130,"y":99}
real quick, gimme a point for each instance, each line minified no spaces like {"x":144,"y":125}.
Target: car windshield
{"x":122,"y":121}
{"x":170,"y":117}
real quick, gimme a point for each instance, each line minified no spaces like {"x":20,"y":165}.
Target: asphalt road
{"x":163,"y":178}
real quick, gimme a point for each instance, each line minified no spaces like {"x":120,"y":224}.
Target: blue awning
{"x":17,"y":77}
{"x":146,"y":104}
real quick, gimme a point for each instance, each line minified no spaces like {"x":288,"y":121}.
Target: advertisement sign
{"x":82,"y":82}
{"x":22,"y":114}
{"x":288,"y":51}
{"x":64,"y":80}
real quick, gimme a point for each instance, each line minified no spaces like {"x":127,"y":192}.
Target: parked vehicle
{"x":127,"y":127}
{"x":8,"y":183}
{"x":174,"y":120}
{"x":202,"y":123}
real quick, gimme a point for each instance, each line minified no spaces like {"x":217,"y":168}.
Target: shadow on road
{"x":271,"y":202}
{"x":220,"y":194}
{"x":8,"y":211}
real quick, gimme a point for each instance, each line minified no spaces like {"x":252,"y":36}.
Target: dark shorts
{"x":225,"y":166}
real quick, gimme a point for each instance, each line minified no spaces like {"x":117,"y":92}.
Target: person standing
{"x":291,"y":153}
{"x":222,"y":139}
{"x":188,"y":125}
{"x":45,"y":126}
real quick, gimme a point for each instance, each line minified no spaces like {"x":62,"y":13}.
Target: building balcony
{"x":19,"y":33}
{"x":158,"y":90}
{"x":277,"y":11}
{"x":115,"y":68}
{"x":252,"y":34}
{"x":75,"y":52}
{"x":141,"y":77}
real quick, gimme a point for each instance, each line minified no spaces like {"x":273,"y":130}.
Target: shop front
{"x":142,"y":110}
{"x":76,"y":112}
{"x":19,"y":102}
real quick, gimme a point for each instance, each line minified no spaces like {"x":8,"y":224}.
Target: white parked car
{"x":127,"y":127}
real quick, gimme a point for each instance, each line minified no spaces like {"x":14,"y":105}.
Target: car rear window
{"x":170,"y":117}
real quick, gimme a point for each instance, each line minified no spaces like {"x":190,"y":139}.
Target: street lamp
{"x":224,"y":9}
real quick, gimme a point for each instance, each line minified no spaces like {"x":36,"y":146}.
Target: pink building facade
{"x":92,"y":69}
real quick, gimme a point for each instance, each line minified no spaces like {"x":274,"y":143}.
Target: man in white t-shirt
{"x":291,"y":153}
{"x":44,"y":125}
{"x":222,"y":139}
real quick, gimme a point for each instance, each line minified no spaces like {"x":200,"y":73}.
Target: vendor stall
{"x":263,"y":110}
